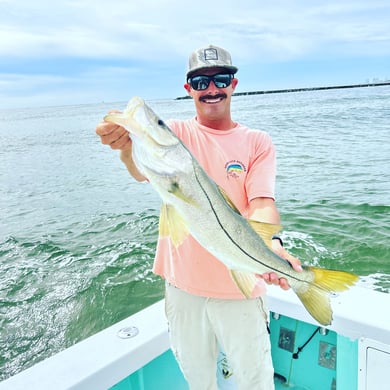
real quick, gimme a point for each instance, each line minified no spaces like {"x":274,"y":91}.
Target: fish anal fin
{"x":245,"y":281}
{"x":315,"y":298}
{"x":172,"y":225}
{"x":265,"y":230}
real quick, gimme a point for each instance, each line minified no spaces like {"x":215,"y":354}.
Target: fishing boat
{"x":134,"y":354}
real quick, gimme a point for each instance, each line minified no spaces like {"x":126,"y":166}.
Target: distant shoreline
{"x":302,"y":89}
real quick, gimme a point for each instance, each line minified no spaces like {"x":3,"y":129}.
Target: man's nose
{"x":212,"y":87}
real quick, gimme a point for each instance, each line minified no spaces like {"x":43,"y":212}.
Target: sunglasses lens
{"x":200,"y":83}
{"x":222,"y":80}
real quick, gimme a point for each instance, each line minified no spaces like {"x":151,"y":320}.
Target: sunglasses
{"x":220,"y":80}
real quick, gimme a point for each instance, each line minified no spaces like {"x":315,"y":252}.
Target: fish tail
{"x":325,"y":282}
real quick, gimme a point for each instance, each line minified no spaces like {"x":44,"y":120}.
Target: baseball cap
{"x":210,"y":57}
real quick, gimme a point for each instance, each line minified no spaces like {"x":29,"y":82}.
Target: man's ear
{"x":234,"y":83}
{"x":187,"y":87}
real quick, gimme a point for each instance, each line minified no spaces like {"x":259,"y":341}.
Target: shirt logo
{"x":234,"y":169}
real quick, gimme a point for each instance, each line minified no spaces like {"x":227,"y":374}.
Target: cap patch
{"x":210,"y":57}
{"x":210,"y":54}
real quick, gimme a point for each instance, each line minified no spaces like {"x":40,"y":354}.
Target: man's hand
{"x":272,"y":277}
{"x":117,"y":137}
{"x":113,"y":135}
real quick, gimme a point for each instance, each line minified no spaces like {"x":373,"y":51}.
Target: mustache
{"x":217,"y":96}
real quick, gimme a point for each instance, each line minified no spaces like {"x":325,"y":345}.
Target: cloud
{"x":126,"y":29}
{"x":97,"y":45}
{"x":87,"y":28}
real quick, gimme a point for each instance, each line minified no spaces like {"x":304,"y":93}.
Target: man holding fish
{"x":215,"y":296}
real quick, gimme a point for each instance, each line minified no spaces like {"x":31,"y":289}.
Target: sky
{"x":61,"y":52}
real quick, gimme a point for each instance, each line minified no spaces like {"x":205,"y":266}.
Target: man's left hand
{"x":272,"y":277}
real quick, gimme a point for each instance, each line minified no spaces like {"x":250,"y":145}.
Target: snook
{"x":193,"y":203}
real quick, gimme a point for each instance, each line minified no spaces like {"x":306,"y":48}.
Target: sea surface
{"x":78,"y":234}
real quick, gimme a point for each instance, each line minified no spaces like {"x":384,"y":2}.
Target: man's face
{"x":212,"y":103}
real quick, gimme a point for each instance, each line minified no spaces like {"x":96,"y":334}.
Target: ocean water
{"x":78,"y":234}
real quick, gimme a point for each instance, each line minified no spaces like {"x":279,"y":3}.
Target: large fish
{"x":193,"y":203}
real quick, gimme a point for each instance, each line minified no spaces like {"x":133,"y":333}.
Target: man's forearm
{"x":127,"y":159}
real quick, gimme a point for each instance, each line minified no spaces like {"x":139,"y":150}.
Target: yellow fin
{"x":316,"y":297}
{"x":265,"y":230}
{"x":228,"y":200}
{"x":177,"y":191}
{"x":245,"y":281}
{"x":172,"y":225}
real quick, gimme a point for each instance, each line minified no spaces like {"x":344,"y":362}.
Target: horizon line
{"x":374,"y":84}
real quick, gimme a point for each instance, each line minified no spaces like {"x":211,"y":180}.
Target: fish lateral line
{"x":241,"y":249}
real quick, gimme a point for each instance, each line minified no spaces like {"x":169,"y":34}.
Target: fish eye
{"x":160,"y":122}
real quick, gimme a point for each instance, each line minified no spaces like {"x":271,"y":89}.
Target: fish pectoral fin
{"x":176,"y":190}
{"x":172,"y":225}
{"x":265,"y":230}
{"x":315,"y":298}
{"x":228,"y":200}
{"x":245,"y":281}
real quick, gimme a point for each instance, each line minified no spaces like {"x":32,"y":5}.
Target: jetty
{"x":374,"y":84}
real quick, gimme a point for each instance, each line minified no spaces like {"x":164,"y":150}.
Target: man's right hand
{"x":118,"y":138}
{"x":114,"y":135}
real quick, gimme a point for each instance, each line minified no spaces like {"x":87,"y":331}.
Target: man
{"x":204,"y":307}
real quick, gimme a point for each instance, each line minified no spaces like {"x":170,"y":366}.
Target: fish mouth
{"x":213,"y":99}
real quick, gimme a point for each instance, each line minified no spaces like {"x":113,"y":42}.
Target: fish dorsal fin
{"x":245,"y":281}
{"x":265,"y":230}
{"x":228,"y":200}
{"x":172,"y":225}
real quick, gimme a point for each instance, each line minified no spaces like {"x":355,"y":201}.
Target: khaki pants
{"x":198,"y":324}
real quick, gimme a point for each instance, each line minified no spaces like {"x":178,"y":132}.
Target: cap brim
{"x":231,"y":69}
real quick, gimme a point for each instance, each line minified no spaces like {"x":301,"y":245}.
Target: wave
{"x":63,"y":286}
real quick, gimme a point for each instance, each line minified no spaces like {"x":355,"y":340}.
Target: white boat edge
{"x":104,"y":359}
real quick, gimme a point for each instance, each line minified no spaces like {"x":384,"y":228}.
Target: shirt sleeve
{"x":260,"y":180}
{"x":174,"y":125}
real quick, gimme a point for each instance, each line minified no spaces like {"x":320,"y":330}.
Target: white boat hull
{"x":359,"y":336}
